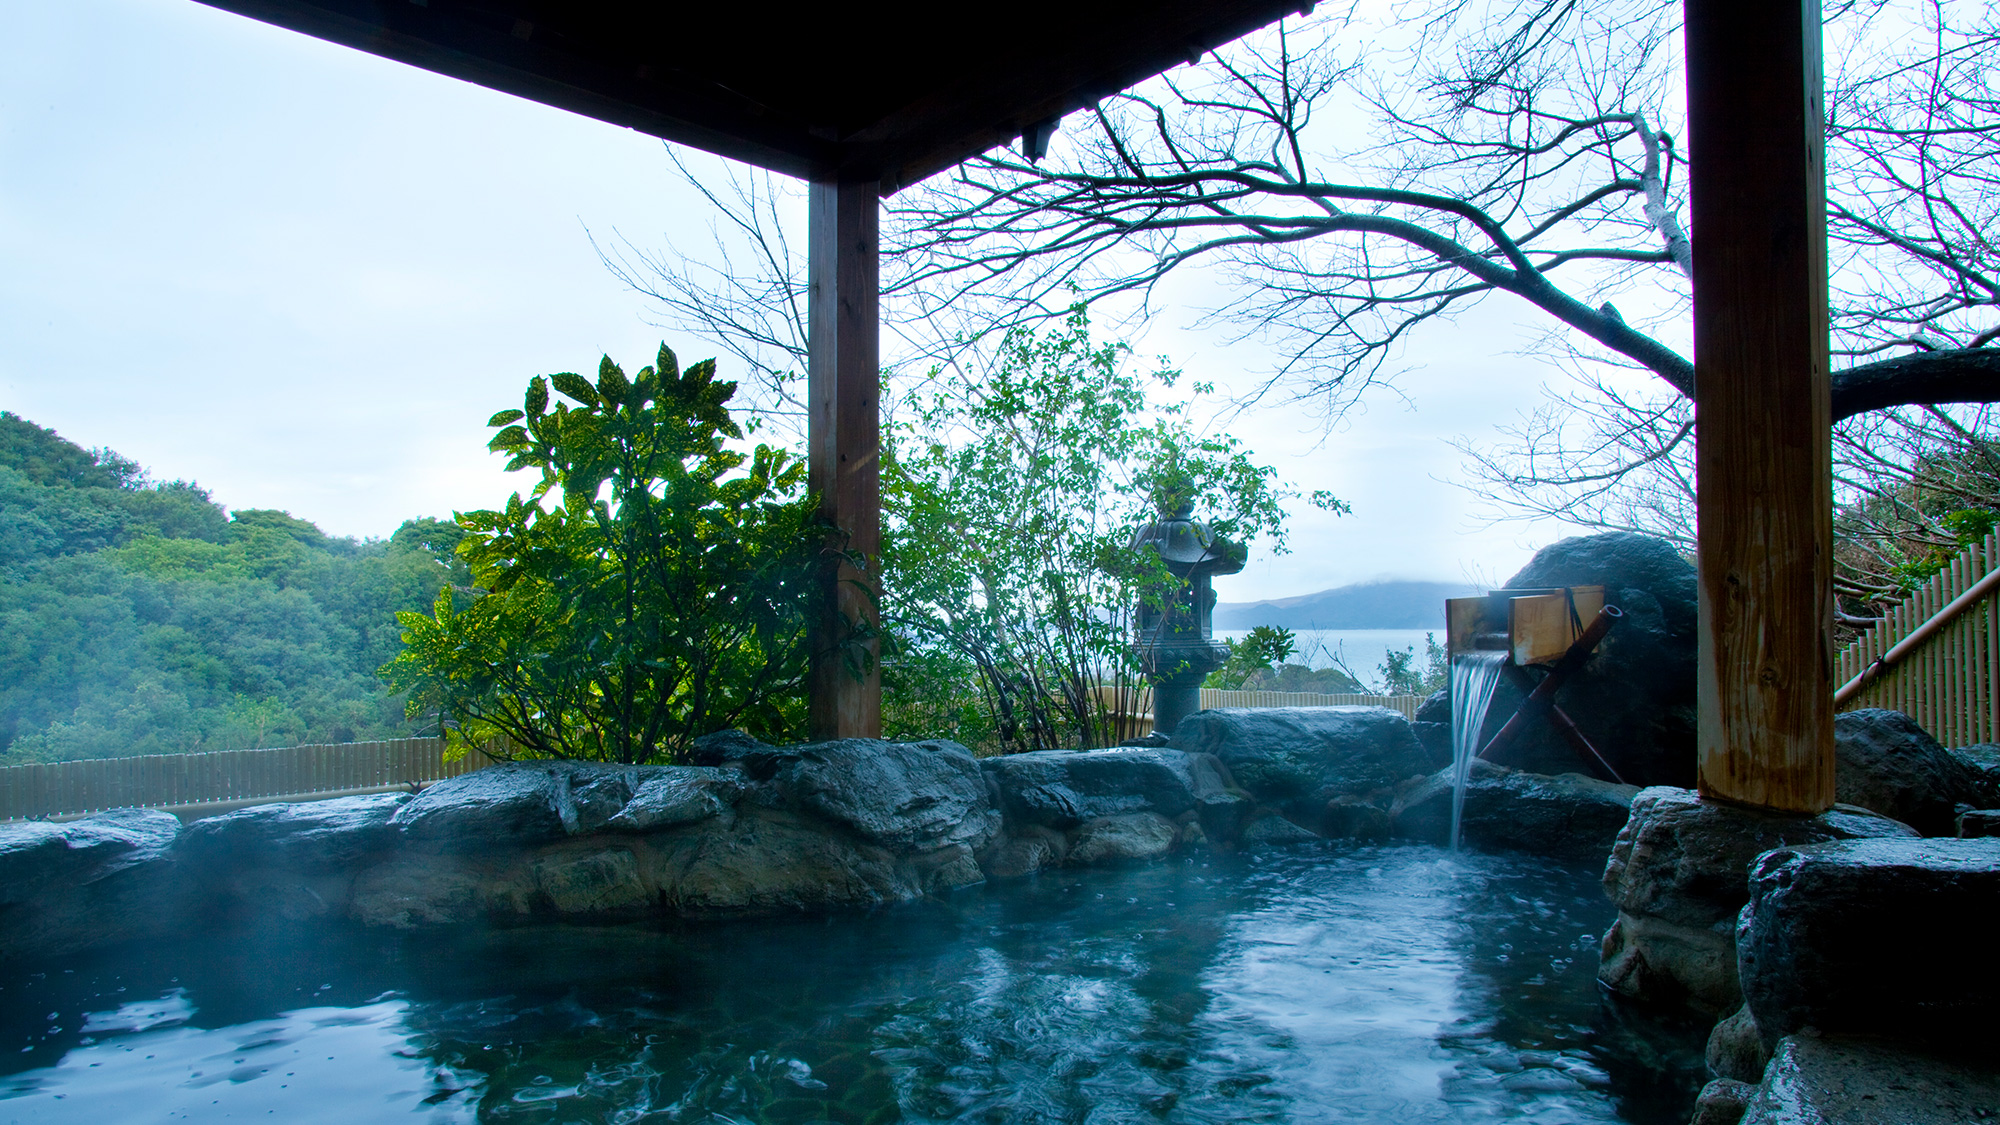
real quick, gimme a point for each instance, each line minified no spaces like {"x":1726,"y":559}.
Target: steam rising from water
{"x":1383,"y":983}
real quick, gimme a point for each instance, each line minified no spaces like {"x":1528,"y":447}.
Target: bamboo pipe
{"x":1918,"y":636}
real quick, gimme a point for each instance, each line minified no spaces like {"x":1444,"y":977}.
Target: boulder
{"x":726,"y":746}
{"x":1124,"y":838}
{"x":39,"y":856}
{"x":1983,"y":764}
{"x":1841,"y":1080}
{"x":1024,"y":850}
{"x":897,"y":794}
{"x":1299,"y":758}
{"x":1736,"y":1048}
{"x":1853,"y":936}
{"x":315,"y":836}
{"x":1886,"y":762}
{"x":504,"y":806}
{"x":1064,"y":788}
{"x":1722,"y":1102}
{"x":1568,"y":815}
{"x":766,"y":862}
{"x":1432,"y":726}
{"x":1270,"y":830}
{"x":671,"y":796}
{"x":97,"y":881}
{"x":1635,"y":698}
{"x":1979,"y":822}
{"x":1679,"y":874}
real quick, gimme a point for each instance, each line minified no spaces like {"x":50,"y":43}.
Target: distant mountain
{"x":1368,"y":605}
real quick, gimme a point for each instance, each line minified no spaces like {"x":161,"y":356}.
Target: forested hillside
{"x":143,"y":618}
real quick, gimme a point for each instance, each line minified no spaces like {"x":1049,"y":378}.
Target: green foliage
{"x":1266,"y":647}
{"x":1010,"y":499}
{"x":139,"y":618}
{"x":655,"y":584}
{"x":1401,"y":676}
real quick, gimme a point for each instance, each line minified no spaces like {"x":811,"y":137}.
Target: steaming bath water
{"x":1330,"y":983}
{"x":1474,"y":675}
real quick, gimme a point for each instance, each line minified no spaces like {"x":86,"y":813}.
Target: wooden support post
{"x":843,"y":438}
{"x":1764,"y":462}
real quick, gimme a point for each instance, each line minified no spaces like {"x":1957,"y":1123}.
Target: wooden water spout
{"x":1539,"y":627}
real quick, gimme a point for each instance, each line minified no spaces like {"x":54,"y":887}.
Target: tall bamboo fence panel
{"x":224,"y":776}
{"x":1945,"y":681}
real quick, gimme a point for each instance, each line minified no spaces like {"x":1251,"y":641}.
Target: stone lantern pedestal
{"x":1173,"y":635}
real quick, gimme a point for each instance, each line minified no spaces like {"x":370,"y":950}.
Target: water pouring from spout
{"x":1474,"y":675}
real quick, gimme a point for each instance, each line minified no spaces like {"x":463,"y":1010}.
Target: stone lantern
{"x":1174,"y":633}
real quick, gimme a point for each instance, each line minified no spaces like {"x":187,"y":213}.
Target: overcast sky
{"x":303,"y":276}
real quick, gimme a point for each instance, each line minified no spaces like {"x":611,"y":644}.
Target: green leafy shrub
{"x":1010,"y":499}
{"x":654,"y":585}
{"x":1266,"y":647}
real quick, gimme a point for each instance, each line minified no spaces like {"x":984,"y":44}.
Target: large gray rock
{"x":98,"y":881}
{"x":1125,"y":838}
{"x":1300,"y":758}
{"x":1841,"y":1080}
{"x":1432,"y":727}
{"x":899,"y":794}
{"x":305,"y":835}
{"x":1064,"y":788}
{"x":1860,"y":936}
{"x":1635,"y":699}
{"x":1982,"y":763}
{"x":1886,"y":762}
{"x":1679,"y":874}
{"x":671,"y":796}
{"x":1569,"y":815}
{"x":503,"y":806}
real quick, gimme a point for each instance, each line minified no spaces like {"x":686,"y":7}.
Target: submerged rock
{"x":1679,"y":874}
{"x":1886,"y":762}
{"x":1847,"y":937}
{"x":1299,"y":758}
{"x":1569,"y":815}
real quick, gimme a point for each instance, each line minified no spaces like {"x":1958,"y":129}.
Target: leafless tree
{"x":1526,"y":152}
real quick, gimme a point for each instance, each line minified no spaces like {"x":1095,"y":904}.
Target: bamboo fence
{"x":1936,"y":657}
{"x":177,"y":781}
{"x":1215,"y":697}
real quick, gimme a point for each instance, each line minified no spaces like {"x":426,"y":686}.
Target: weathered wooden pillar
{"x":843,"y":439}
{"x":1764,"y":463}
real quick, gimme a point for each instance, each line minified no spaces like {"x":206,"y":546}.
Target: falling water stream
{"x":1474,"y":675}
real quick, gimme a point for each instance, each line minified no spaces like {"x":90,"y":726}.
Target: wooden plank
{"x":1762,"y":396}
{"x":844,"y":448}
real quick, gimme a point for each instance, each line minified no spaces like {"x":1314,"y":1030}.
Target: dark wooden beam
{"x":1763,"y":404}
{"x":883,"y":91}
{"x":843,"y":374}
